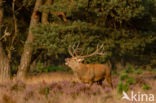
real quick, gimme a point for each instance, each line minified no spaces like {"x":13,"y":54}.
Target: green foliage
{"x":146,"y":87}
{"x":123,"y":76}
{"x":138,"y":71}
{"x":125,"y":27}
{"x":153,"y":70}
{"x":53,"y":68}
{"x":114,"y":71}
{"x":126,"y":79}
{"x":40,"y":68}
{"x":129,"y":69}
{"x":130,"y":81}
{"x":116,"y":24}
{"x":14,"y":69}
{"x":28,"y":3}
{"x":14,"y":87}
{"x":17,"y":87}
{"x":45,"y":91}
{"x":122,"y":87}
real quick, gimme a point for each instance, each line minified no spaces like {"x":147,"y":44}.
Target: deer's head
{"x":76,"y":59}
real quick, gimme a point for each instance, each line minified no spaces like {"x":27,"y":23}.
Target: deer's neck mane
{"x":76,"y":66}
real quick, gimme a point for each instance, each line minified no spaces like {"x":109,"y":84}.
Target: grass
{"x":129,"y":69}
{"x":153,"y":70}
{"x":146,"y":87}
{"x":139,"y":71}
{"x":58,"y":92}
{"x":126,"y":80}
{"x":72,"y":92}
{"x":130,"y":80}
{"x":16,"y":87}
{"x":123,"y":76}
{"x":114,"y":72}
{"x":122,"y":87}
{"x":44,"y":91}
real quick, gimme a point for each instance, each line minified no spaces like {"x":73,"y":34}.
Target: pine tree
{"x":123,"y":26}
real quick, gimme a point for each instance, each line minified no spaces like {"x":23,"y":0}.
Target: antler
{"x":97,"y":51}
{"x":74,"y":50}
{"x":71,"y":54}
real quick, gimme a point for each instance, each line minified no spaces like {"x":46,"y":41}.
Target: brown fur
{"x":90,"y":73}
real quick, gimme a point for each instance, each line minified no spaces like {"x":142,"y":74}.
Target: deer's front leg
{"x":77,"y":79}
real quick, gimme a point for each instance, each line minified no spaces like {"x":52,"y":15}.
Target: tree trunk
{"x":27,"y":53}
{"x":4,"y":66}
{"x":44,"y":18}
{"x":4,"y":62}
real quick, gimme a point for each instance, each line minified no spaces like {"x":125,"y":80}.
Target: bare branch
{"x":6,"y":34}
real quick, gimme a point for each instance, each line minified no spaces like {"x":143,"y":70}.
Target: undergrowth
{"x":127,"y":79}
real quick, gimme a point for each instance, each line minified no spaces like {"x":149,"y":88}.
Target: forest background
{"x":35,"y":34}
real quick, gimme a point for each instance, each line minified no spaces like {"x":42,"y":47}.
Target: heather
{"x":36,"y":35}
{"x":59,"y":92}
{"x":73,"y":92}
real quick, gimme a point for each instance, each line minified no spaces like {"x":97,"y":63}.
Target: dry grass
{"x":70,"y":92}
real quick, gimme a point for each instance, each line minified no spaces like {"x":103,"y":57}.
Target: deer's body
{"x":92,"y":72}
{"x":89,"y":73}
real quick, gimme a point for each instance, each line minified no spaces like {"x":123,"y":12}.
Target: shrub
{"x":139,"y":71}
{"x":39,"y":67}
{"x":123,"y":76}
{"x":129,"y":69}
{"x":50,"y":68}
{"x":153,"y":70}
{"x":18,"y":86}
{"x":146,"y":87}
{"x":53,"y":68}
{"x":130,"y":81}
{"x":122,"y":87}
{"x":44,"y":91}
{"x":114,"y":72}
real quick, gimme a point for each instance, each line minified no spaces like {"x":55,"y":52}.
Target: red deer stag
{"x":89,"y":73}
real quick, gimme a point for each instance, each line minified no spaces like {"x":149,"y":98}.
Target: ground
{"x":71,"y":92}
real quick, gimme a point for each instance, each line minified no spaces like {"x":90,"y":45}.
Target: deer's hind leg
{"x":109,"y":80}
{"x":99,"y":82}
